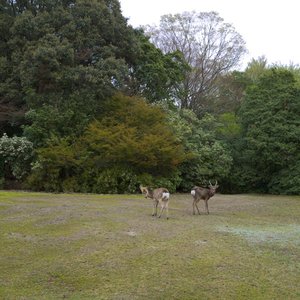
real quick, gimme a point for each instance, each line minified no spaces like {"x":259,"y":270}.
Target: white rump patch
{"x":193,"y":193}
{"x":166,"y":195}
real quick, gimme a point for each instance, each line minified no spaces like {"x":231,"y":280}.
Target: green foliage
{"x":271,"y":132}
{"x":229,"y":93}
{"x":134,"y":132}
{"x":229,"y":128}
{"x":62,"y":61}
{"x":130,"y":139}
{"x":65,"y":62}
{"x":256,"y":68}
{"x":287,"y":180}
{"x":57,"y":54}
{"x":16,"y":155}
{"x":116,"y":180}
{"x":59,"y":60}
{"x":171,"y":181}
{"x":154,"y":74}
{"x":207,"y":157}
{"x":55,"y":163}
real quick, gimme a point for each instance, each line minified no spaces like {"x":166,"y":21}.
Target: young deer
{"x":160,"y":195}
{"x":201,"y":193}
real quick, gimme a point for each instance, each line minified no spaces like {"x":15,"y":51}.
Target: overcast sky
{"x":269,"y":27}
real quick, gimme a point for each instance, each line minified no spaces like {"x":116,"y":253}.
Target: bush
{"x":206,"y":156}
{"x":171,"y":182}
{"x":44,"y":178}
{"x":287,"y":181}
{"x":131,"y":138}
{"x":71,"y":185}
{"x":2,"y":180}
{"x":116,"y":180}
{"x":16,"y":155}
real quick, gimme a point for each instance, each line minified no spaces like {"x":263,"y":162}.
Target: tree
{"x":210,"y":47}
{"x":256,"y":68}
{"x":153,"y":75}
{"x":271,"y":132}
{"x":61,"y":59}
{"x":207,"y":156}
{"x":230,"y":92}
{"x":231,"y":87}
{"x":65,"y":56}
{"x":129,"y":144}
{"x":12,"y":106}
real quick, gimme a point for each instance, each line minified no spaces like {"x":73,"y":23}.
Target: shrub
{"x":287,"y":181}
{"x":115,"y":180}
{"x":131,"y":138}
{"x":16,"y":155}
{"x":206,"y":156}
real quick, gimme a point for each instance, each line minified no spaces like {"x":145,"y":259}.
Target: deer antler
{"x":213,"y":185}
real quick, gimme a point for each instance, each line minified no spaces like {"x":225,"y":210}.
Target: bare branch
{"x":210,"y":46}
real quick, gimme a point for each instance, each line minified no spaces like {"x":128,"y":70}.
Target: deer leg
{"x":162,"y":209}
{"x":197,"y":207}
{"x":206,"y":206}
{"x":167,"y":208}
{"x":154,"y":211}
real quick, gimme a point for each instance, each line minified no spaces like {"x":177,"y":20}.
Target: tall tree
{"x":256,"y":68}
{"x":210,"y":46}
{"x":271,"y":129}
{"x":154,"y":74}
{"x":12,"y":104}
{"x":203,"y":149}
{"x":231,"y":90}
{"x":60,"y":59}
{"x":231,"y":87}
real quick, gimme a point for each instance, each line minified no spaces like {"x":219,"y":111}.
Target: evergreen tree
{"x":270,"y":121}
{"x":61,"y":59}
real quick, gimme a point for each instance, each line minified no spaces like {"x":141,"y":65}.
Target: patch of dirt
{"x":279,"y":233}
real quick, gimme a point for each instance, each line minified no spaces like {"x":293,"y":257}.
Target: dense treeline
{"x":90,"y":104}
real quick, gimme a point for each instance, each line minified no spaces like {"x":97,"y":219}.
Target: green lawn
{"x":78,"y":246}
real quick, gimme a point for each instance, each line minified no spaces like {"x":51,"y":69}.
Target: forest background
{"x":90,"y":104}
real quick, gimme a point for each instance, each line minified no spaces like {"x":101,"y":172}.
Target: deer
{"x":201,"y":193}
{"x":159,"y":195}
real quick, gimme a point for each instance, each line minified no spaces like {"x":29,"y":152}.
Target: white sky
{"x":269,"y":27}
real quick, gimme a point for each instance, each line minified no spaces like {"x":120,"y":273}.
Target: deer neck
{"x":211,"y":192}
{"x":150,"y":193}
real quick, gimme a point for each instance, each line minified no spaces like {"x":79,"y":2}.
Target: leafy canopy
{"x":130,"y":138}
{"x":271,"y":128}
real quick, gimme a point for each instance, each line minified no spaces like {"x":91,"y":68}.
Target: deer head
{"x":213,"y":188}
{"x":144,"y":190}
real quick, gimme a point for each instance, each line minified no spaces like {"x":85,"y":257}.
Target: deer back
{"x":203,"y":193}
{"x":200,"y":193}
{"x":161,"y":194}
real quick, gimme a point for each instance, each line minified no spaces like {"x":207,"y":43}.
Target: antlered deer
{"x":161,"y":196}
{"x":201,"y":193}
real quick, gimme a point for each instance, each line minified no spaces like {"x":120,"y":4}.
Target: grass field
{"x":77,"y":246}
